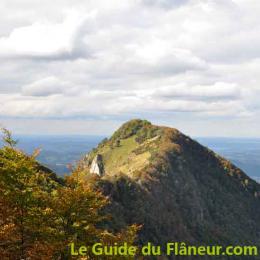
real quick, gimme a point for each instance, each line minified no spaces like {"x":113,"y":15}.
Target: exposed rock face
{"x":97,"y":166}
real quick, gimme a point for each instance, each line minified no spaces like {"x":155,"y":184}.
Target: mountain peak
{"x":138,"y":147}
{"x":129,"y":150}
{"x":131,"y":128}
{"x":176,"y":188}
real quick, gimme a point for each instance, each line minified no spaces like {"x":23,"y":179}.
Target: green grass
{"x":122,"y":158}
{"x":118,"y":156}
{"x":129,"y":150}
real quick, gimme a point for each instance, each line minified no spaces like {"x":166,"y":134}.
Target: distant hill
{"x":57,"y":152}
{"x":243,"y":152}
{"x":178,"y":189}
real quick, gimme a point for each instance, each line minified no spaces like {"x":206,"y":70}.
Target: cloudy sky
{"x":84,"y":67}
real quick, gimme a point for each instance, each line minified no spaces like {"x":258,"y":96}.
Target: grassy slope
{"x":127,"y":153}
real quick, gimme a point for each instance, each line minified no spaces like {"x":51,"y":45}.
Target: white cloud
{"x":44,"y":39}
{"x":218,"y":91}
{"x":45,"y":87}
{"x":122,"y":59}
{"x":49,"y":98}
{"x":165,"y":3}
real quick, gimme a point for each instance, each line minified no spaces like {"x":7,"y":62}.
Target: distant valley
{"x":243,"y":152}
{"x":59,"y":151}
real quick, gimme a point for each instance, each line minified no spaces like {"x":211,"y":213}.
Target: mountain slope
{"x":178,"y":189}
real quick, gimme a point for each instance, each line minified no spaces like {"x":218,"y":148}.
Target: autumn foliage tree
{"x":40,"y":217}
{"x":23,"y":188}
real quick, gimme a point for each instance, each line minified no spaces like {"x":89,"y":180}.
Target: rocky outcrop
{"x":97,"y":166}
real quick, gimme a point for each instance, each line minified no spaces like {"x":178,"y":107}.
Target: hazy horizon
{"x":59,"y":151}
{"x":105,"y":128}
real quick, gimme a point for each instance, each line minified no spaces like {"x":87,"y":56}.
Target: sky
{"x":85,"y":67}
